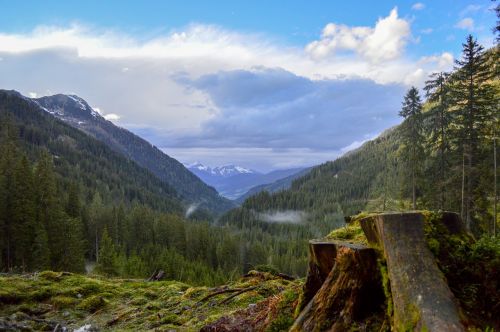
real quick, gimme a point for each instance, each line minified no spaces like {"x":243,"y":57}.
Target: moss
{"x":92,"y":303}
{"x":386,"y":285}
{"x":133,"y":305}
{"x":413,"y":320}
{"x":471,"y":268}
{"x":62,"y":301}
{"x":352,"y":232}
{"x":50,"y":275}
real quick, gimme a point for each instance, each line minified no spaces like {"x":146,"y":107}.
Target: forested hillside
{"x":274,"y":186}
{"x":67,"y":199}
{"x":77,"y":113}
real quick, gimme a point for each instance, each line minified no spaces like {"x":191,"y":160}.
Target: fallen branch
{"x":222,"y":291}
{"x":236,"y":294}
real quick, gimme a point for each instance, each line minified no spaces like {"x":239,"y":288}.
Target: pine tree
{"x":40,"y":249}
{"x":8,"y":162}
{"x":73,"y":205}
{"x":107,"y":264}
{"x":411,"y":111}
{"x":438,"y":95}
{"x":23,"y":214}
{"x":472,"y":97}
{"x":71,"y":257}
{"x":94,"y":223}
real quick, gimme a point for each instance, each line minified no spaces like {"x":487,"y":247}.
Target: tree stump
{"x":343,"y":284}
{"x":421,"y":296}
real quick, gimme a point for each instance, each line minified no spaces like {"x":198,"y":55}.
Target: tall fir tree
{"x":438,"y":96}
{"x":413,"y":139}
{"x":108,"y":255}
{"x":472,"y":98}
{"x":8,"y":163}
{"x":23,"y":214}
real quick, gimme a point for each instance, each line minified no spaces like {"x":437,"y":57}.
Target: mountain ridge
{"x":233,"y":181}
{"x":76,"y":112}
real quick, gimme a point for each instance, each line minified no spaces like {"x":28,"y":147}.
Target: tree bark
{"x":350,"y":292}
{"x":421,"y":296}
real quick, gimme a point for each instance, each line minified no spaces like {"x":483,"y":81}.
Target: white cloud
{"x":465,"y":24}
{"x":418,"y":6}
{"x":32,"y":94}
{"x":470,"y":9}
{"x":426,"y":31}
{"x":111,"y":117}
{"x":443,"y":61}
{"x":386,"y":41}
{"x":141,"y":81}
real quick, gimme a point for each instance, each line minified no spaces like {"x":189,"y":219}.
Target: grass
{"x":74,"y":300}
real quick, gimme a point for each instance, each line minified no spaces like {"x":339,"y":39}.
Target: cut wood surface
{"x":421,"y":296}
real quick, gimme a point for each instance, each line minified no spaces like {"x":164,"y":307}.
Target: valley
{"x":104,"y":226}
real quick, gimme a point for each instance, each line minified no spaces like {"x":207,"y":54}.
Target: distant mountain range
{"x":76,"y":112}
{"x":280,"y":184}
{"x":234,"y":181}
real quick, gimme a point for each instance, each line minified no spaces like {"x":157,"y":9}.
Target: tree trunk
{"x":462,"y":204}
{"x":468,"y":192}
{"x":413,"y":188}
{"x":422,"y":299}
{"x":351,"y":291}
{"x":495,"y":186}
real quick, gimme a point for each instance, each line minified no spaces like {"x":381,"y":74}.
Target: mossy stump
{"x":342,"y":286}
{"x":421,"y":296}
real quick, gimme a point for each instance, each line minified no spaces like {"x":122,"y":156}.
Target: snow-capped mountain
{"x":233,"y":181}
{"x":224,"y":171}
{"x":70,"y":108}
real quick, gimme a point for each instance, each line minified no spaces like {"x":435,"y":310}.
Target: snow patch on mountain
{"x":223,"y":171}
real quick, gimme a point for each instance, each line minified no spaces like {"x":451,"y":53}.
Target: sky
{"x":262,"y":84}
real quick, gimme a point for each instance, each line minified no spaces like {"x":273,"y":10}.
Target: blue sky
{"x":265,"y":84}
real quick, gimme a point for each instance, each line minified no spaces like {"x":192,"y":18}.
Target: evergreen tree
{"x":472,"y":98}
{"x":71,"y":258}
{"x":23,"y":214}
{"x":73,"y":205}
{"x":411,"y":111}
{"x":438,"y":95}
{"x":95,"y":224}
{"x":108,"y":256}
{"x":40,"y":249}
{"x":8,"y":163}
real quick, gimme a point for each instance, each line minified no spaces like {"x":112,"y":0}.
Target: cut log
{"x":350,"y":292}
{"x":421,"y":297}
{"x":322,"y":255}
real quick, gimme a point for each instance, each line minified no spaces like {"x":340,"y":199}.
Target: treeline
{"x":39,"y":230}
{"x":448,"y":144}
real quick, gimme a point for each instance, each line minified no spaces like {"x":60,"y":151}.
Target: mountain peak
{"x":67,"y":106}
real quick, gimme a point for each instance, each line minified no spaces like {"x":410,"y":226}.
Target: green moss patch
{"x":352,"y":232}
{"x":114,"y":304}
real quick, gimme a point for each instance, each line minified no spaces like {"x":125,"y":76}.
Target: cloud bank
{"x":281,"y":217}
{"x":203,"y":90}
